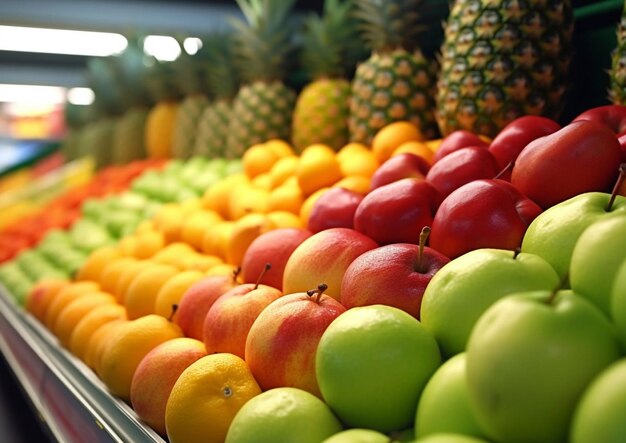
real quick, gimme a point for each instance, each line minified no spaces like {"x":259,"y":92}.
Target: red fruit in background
{"x":392,"y":275}
{"x":456,"y":140}
{"x":516,"y":135}
{"x":582,"y":157}
{"x":489,"y":213}
{"x":397,"y":212}
{"x":460,"y":167}
{"x":613,"y":116}
{"x":334,"y":209}
{"x":274,"y":247}
{"x":399,"y":166}
{"x":621,"y":138}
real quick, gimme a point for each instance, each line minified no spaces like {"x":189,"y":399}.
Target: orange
{"x":280,"y":147}
{"x":246,"y":199}
{"x":287,"y":197}
{"x":215,"y":239}
{"x":357,"y":159}
{"x":206,"y":397}
{"x":141,"y":295}
{"x":284,"y":219}
{"x":217,"y":196}
{"x":87,"y":326}
{"x":96,"y":262}
{"x":263,"y":181}
{"x":75,"y":311}
{"x":127,"y":277}
{"x":245,"y":230}
{"x":391,"y":136}
{"x":258,"y":159}
{"x":172,"y":253}
{"x":433,"y":145}
{"x":169,"y":220}
{"x":41,"y":295}
{"x":418,"y":148}
{"x":307,"y":206}
{"x":148,"y":243}
{"x":283,"y":169}
{"x":68,"y":293}
{"x":356,"y":183}
{"x":222,"y":269}
{"x":194,"y":226}
{"x":127,"y":347}
{"x":112,"y":273}
{"x":198,"y":262}
{"x":99,"y":339}
{"x":173,"y":290}
{"x":318,"y":167}
{"x":146,"y":225}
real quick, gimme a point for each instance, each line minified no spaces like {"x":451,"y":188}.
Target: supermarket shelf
{"x":71,"y":401}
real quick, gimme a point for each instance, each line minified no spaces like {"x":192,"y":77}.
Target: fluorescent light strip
{"x":45,"y":95}
{"x":60,"y":41}
{"x":162,"y":47}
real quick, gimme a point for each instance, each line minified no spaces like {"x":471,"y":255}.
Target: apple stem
{"x":508,"y":166}
{"x":517,"y":252}
{"x":266,"y":268}
{"x":618,"y":184}
{"x":236,"y":273}
{"x":556,"y":290}
{"x":319,"y":291}
{"x":174,"y":309}
{"x":425,"y":232}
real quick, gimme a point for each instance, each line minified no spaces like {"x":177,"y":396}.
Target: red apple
{"x":400,"y":166}
{"x":488,"y":213}
{"x":456,"y":140}
{"x":460,"y":167}
{"x":613,"y":116}
{"x":273,"y":247}
{"x":228,"y":321}
{"x":324,"y":257}
{"x":282,"y":342}
{"x":197,"y":301}
{"x":515,"y":136}
{"x":334,"y":209}
{"x":397,"y":212}
{"x":394,"y":275}
{"x":582,"y":157}
{"x":621,"y":138}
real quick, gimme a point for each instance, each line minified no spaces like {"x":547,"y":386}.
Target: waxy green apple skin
{"x":596,"y":258}
{"x":465,"y":287}
{"x":529,"y":360}
{"x":553,"y":234}
{"x":618,"y":303}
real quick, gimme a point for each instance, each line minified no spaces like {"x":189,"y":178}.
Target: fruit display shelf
{"x":71,"y":401}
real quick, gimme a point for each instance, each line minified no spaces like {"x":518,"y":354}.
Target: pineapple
{"x":75,"y":117}
{"x":331,"y":50}
{"x":190,"y":80}
{"x":159,"y":129}
{"x":263,"y":106}
{"x":397,"y":82}
{"x":128,"y":137}
{"x":502,"y":59}
{"x":223,"y":83}
{"x":617,"y":92}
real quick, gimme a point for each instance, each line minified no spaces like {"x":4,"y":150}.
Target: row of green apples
{"x":104,"y":221}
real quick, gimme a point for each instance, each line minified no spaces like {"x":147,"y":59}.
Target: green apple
{"x":597,"y":255}
{"x":601,"y":412}
{"x":282,"y":415}
{"x":466,"y":286}
{"x":449,"y":438}
{"x":618,"y":303}
{"x":372,"y":364}
{"x":529,"y":359}
{"x":444,"y":406}
{"x":553,"y":233}
{"x":358,"y":435}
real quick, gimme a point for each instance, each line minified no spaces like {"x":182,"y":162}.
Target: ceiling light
{"x":32,"y":94}
{"x":60,"y":41}
{"x":80,"y":96}
{"x":161,"y":47}
{"x":192,"y":45}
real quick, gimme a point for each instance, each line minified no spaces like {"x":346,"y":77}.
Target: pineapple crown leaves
{"x":331,"y":44}
{"x":220,"y":70}
{"x":160,"y":80}
{"x":390,"y":24}
{"x":100,"y":78}
{"x":264,"y":40}
{"x":189,"y":73}
{"x":130,"y":68}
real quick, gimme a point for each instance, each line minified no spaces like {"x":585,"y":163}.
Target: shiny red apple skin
{"x":488,"y":213}
{"x":334,"y":209}
{"x":390,"y":275}
{"x":460,"y":167}
{"x":458,"y":139}
{"x":273,"y":247}
{"x":613,"y":116}
{"x":229,"y":320}
{"x":514,"y":137}
{"x":583,"y":156}
{"x":281,"y":345}
{"x":397,"y":212}
{"x":405,"y":165}
{"x":197,"y":301}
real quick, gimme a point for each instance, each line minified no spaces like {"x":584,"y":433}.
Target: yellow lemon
{"x":96,"y":262}
{"x":318,"y":167}
{"x":283,"y":169}
{"x":142,"y":292}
